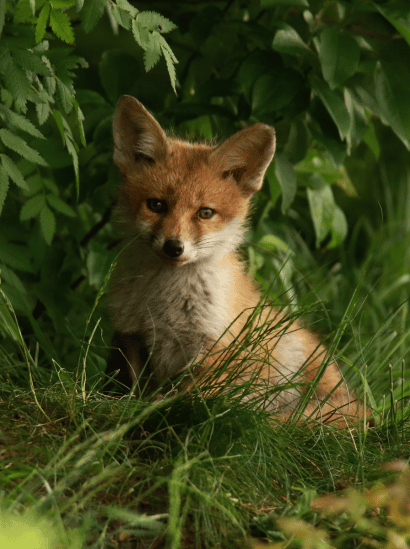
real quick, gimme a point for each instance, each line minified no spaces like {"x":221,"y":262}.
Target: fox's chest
{"x":190,"y":299}
{"x":179,"y":311}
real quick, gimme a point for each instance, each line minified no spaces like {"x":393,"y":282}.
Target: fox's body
{"x":179,"y":289}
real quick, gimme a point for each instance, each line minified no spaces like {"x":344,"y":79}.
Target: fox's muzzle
{"x":173,"y":248}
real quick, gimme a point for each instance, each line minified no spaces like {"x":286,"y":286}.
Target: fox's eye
{"x":139,"y":157}
{"x":206,"y":213}
{"x":156,"y":205}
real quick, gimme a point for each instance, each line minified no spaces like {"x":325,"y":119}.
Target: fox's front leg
{"x":128,"y":357}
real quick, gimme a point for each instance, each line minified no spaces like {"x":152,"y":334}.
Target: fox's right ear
{"x":137,"y":135}
{"x":245,"y":157}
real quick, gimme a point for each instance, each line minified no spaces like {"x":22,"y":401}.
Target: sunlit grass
{"x":210,"y":468}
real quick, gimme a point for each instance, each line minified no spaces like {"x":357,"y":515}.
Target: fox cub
{"x":179,"y":289}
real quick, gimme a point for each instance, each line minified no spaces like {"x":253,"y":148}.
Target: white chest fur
{"x":179,"y":311}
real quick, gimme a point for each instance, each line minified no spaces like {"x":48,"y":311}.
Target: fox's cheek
{"x":222,"y":238}
{"x":143,"y":225}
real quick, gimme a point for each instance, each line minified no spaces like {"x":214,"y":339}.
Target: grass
{"x":176,"y":473}
{"x":80,"y":468}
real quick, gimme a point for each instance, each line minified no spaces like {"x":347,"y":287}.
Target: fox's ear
{"x":245,"y":156}
{"x":137,"y":135}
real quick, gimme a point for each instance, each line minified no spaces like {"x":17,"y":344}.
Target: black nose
{"x":173,"y":248}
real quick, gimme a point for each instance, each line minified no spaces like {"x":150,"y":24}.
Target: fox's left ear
{"x":245,"y":156}
{"x":137,"y":135}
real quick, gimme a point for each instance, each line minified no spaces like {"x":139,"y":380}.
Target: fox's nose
{"x":173,"y":248}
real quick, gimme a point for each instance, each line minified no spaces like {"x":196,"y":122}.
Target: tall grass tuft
{"x":209,"y":468}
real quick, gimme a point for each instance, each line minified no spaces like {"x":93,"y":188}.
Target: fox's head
{"x":188,"y":201}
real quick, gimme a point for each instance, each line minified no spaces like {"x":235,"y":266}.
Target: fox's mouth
{"x":177,"y":262}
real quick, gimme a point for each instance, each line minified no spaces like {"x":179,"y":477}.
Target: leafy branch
{"x":147,"y":27}
{"x":32,"y":72}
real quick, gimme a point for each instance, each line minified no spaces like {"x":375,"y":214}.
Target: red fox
{"x":179,"y":289}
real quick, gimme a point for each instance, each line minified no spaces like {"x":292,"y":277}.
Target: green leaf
{"x":164,"y":46}
{"x":50,"y":82}
{"x":43,"y":110}
{"x":18,"y":257}
{"x":11,"y":278}
{"x":23,"y":12}
{"x":335,"y":149}
{"x":154,"y":21}
{"x":71,"y":147}
{"x":288,"y":41}
{"x":118,"y":73}
{"x":271,"y":92}
{"x":16,"y":80}
{"x":141,"y":34}
{"x":370,"y":138}
{"x":170,"y":66}
{"x":253,"y":67}
{"x":20,"y":104}
{"x":358,"y":119}
{"x":8,"y":319}
{"x":80,"y":119}
{"x":255,"y":261}
{"x":51,"y":186}
{"x":392,"y":83}
{"x":122,"y":17}
{"x":60,"y":205}
{"x":32,"y":207}
{"x":334,"y":105}
{"x":18,"y":145}
{"x":339,"y":56}
{"x":298,"y":141}
{"x":322,"y":207}
{"x":61,"y":25}
{"x":19,"y":121}
{"x":43,"y":47}
{"x":13,"y":172}
{"x":285,"y":174}
{"x":126,"y":6}
{"x":42,"y":22}
{"x":54,"y":154}
{"x":274,"y":185}
{"x":60,"y":125}
{"x":399,"y":23}
{"x":316,"y":162}
{"x":47,"y":224}
{"x":338,"y":228}
{"x":68,"y":132}
{"x":35,"y":184}
{"x":170,"y":58}
{"x":98,"y":264}
{"x":272,"y":243}
{"x":152,"y":55}
{"x":6,"y":97}
{"x":91,"y":13}
{"x":4,"y":186}
{"x":90,"y":97}
{"x":31,"y":61}
{"x":65,"y":96}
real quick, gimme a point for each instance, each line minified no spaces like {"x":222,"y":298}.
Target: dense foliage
{"x":329,"y":237}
